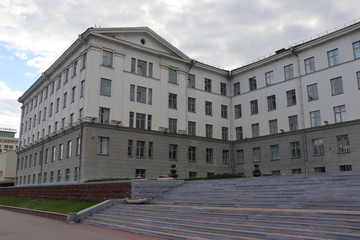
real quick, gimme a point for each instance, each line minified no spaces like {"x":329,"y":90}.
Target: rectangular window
{"x":254,"y":107}
{"x":172,"y":152}
{"x":150,"y":96}
{"x":273,"y":126}
{"x":319,"y":169}
{"x":192,"y":174}
{"x":81,"y":113}
{"x":238,"y":113}
{"x":209,"y":155}
{"x":131,"y":119}
{"x":61,"y":151}
{"x":207,"y":84}
{"x":209,"y":131}
{"x":74,"y":68}
{"x":289,"y":72}
{"x":141,"y":94}
{"x":358,"y":79}
{"x":239,"y":156}
{"x":239,"y":133}
{"x":150,"y":69}
{"x":69,"y":145}
{"x":223,"y":89}
{"x":140,"y":173}
{"x":291,"y":97}
{"x":172,"y":101}
{"x":52,"y":87}
{"x":59,"y":173}
{"x":149,"y":120}
{"x":50,"y":112}
{"x":191,"y":80}
{"x":293,"y":123}
{"x":140,"y":149}
{"x":53,"y":154}
{"x":318,"y":145}
{"x":141,"y":67}
{"x":76,"y":174}
{"x":356,"y":48}
{"x":252,"y":84}
{"x":150,"y":150}
{"x":269,"y":78}
{"x":140,"y":120}
{"x":271,"y":101}
{"x":104,"y":115}
{"x":172,"y":76}
{"x":336,"y":86}
{"x":295,"y":149}
{"x":333,"y":57}
{"x":275,"y":152}
{"x":340,"y":113}
{"x":315,"y":118}
{"x":255,"y":129}
{"x":132,"y":92}
{"x":103,"y":145}
{"x":57,"y":107}
{"x":82,"y":88}
{"x":67,"y":174}
{"x":343,"y":144}
{"x":192,"y":128}
{"x":172,"y":125}
{"x":52,"y":176}
{"x":71,"y":118}
{"x":256,"y":154}
{"x":107,"y":59}
{"x":192,"y":154}
{"x":84,"y":61}
{"x":105,"y":87}
{"x":191,"y":104}
{"x":312,"y":91}
{"x":236,"y":88}
{"x":133,"y":64}
{"x":296,"y":171}
{"x":208,"y":108}
{"x":78,"y":146}
{"x":225,"y":133}
{"x":73,"y":91}
{"x":309,"y":65}
{"x":225,"y":156}
{"x":130,"y":147}
{"x":224,"y":111}
{"x":345,"y":168}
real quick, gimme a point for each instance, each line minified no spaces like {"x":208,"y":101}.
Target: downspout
{"x":302,"y":118}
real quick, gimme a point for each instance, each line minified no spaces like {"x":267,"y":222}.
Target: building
{"x":124,"y":102}
{"x":8,"y":142}
{"x":7,"y":168}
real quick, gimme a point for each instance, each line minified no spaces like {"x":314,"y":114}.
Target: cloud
{"x":9,"y":107}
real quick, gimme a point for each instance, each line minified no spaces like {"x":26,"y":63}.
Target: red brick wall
{"x":84,"y":192}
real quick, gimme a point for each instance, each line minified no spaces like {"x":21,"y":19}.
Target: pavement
{"x":18,"y":226}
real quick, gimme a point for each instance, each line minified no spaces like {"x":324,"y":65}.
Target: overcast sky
{"x":223,"y":33}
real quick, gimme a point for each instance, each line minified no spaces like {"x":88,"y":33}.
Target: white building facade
{"x":123,"y":102}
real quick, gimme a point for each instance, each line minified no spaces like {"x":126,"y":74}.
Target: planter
{"x":136,"y":200}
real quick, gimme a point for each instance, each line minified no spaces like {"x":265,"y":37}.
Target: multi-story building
{"x":124,"y":102}
{"x":7,"y":168}
{"x":8,"y":142}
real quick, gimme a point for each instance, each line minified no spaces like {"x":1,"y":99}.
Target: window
{"x":315,"y":119}
{"x":239,"y":133}
{"x":78,"y":146}
{"x":53,"y":154}
{"x":312,"y":91}
{"x":225,"y":156}
{"x":141,"y":94}
{"x":192,"y":174}
{"x":236,"y":88}
{"x":51,"y":88}
{"x":140,"y":149}
{"x":238,"y":113}
{"x":84,"y":61}
{"x":50,"y":113}
{"x":105,"y":87}
{"x":345,"y":168}
{"x":256,"y":154}
{"x":293,"y":123}
{"x":67,"y":174}
{"x":309,"y":65}
{"x":69,"y":145}
{"x":296,"y":171}
{"x":207,"y":84}
{"x":172,"y":101}
{"x":73,"y":90}
{"x":356,"y":47}
{"x":289,"y":72}
{"x":291,"y":97}
{"x":61,"y":151}
{"x":192,"y":128}
{"x":273,"y":126}
{"x":209,"y":155}
{"x":76,"y":174}
{"x":74,"y":68}
{"x":104,"y":115}
{"x":57,"y":107}
{"x":141,"y":67}
{"x":150,"y":96}
{"x":358,"y":79}
{"x":275,"y":152}
{"x":336,"y":86}
{"x":149,"y":119}
{"x":191,"y":80}
{"x":239,"y":156}
{"x":150,"y":150}
{"x":252,"y":84}
{"x":191,"y":104}
{"x":131,"y":119}
{"x":224,"y":111}
{"x":140,"y":120}
{"x":71,"y":118}
{"x":130,"y":146}
{"x":103,"y":145}
{"x":133,"y":63}
{"x":192,"y":154}
{"x":107,"y":59}
{"x":140,"y":173}
{"x":255,"y":129}
{"x":343,"y":144}
{"x":208,"y":108}
{"x":333,"y":57}
{"x":318,"y":145}
{"x":295,"y":149}
{"x":59,"y":173}
{"x":51,"y":176}
{"x":340,"y":113}
{"x":271,"y":101}
{"x":150,"y":69}
{"x":172,"y":76}
{"x":82,"y":88}
{"x":225,"y":133}
{"x":223,"y":89}
{"x":172,"y":125}
{"x":319,"y":169}
{"x":81,"y":113}
{"x":254,"y":107}
{"x":172,"y":152}
{"x":132,"y":92}
{"x":209,"y":131}
{"x":269,"y":78}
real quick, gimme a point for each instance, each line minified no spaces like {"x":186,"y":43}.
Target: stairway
{"x":314,"y":206}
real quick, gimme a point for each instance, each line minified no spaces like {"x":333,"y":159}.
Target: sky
{"x":226,"y":34}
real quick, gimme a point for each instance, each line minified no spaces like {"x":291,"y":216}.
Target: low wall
{"x":85,"y":192}
{"x":153,"y":188}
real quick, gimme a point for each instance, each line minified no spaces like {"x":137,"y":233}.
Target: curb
{"x":39,"y":213}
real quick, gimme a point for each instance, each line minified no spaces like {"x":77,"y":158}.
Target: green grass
{"x":50,"y":205}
